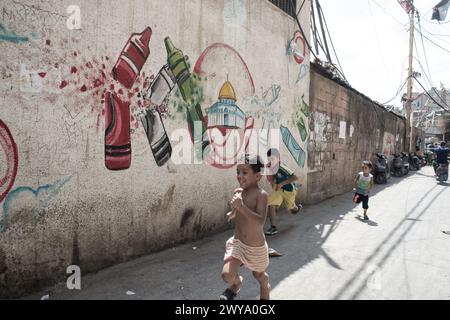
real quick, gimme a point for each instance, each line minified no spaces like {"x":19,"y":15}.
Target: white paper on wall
{"x":342,"y":129}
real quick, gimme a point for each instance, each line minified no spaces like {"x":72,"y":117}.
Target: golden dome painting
{"x":225,"y":113}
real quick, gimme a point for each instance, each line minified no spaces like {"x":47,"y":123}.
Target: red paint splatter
{"x":83,"y":88}
{"x":89,"y":65}
{"x":98,"y":83}
{"x":136,"y":90}
{"x":103,"y":74}
{"x":103,"y":66}
{"x":130,"y":94}
{"x":63,"y":84}
{"x":48,"y":42}
{"x":73,"y":70}
{"x":75,"y":54}
{"x":42,"y":74}
{"x":111,"y":87}
{"x":120,"y":91}
{"x":132,"y":118}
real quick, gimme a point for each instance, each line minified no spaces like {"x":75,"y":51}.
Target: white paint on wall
{"x":30,"y":81}
{"x":342,"y":129}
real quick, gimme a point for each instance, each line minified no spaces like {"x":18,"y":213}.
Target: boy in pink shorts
{"x":248,"y":246}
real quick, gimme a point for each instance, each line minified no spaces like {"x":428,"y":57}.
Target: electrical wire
{"x":423,"y":47}
{"x":398,"y":91}
{"x":382,"y":8}
{"x":378,"y":37}
{"x":331,"y":40}
{"x":437,"y":103}
{"x":431,"y":41}
{"x":427,"y":75}
{"x":301,"y":6}
{"x":301,"y":31}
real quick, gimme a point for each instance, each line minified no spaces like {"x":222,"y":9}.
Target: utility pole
{"x":408,"y":130}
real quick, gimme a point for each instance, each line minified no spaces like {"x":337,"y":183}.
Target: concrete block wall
{"x":59,"y":204}
{"x":346,"y":129}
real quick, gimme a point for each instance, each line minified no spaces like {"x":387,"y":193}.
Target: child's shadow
{"x":369,"y":222}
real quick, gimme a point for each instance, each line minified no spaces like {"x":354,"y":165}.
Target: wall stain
{"x":187,"y":214}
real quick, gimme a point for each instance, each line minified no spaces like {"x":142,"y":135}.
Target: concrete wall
{"x":60,"y":205}
{"x":346,"y":129}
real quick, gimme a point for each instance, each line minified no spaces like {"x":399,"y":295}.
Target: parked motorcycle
{"x":397,"y":166}
{"x":405,"y":159}
{"x":414,"y":162}
{"x":423,"y":161}
{"x":381,"y":169}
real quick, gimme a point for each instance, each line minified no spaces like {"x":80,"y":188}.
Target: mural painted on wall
{"x":296,"y":49}
{"x":388,"y":144}
{"x":117,"y":111}
{"x":156,"y":92}
{"x":294,"y":148}
{"x":302,"y":117}
{"x":131,"y":97}
{"x":10,"y":160}
{"x":9,"y":36}
{"x":39,"y":200}
{"x":229,"y":124}
{"x":225,"y":119}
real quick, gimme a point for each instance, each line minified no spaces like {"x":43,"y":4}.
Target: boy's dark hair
{"x":368,"y":163}
{"x":443,"y":144}
{"x":273,"y":152}
{"x":254,"y":162}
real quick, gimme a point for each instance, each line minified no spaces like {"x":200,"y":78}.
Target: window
{"x":286,"y":6}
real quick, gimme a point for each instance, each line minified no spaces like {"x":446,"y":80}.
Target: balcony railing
{"x":286,"y":6}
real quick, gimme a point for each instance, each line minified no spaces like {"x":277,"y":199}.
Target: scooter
{"x":381,"y":169}
{"x":397,"y":166}
{"x":423,"y":161}
{"x":441,"y":171}
{"x":414,"y":162}
{"x":405,"y":159}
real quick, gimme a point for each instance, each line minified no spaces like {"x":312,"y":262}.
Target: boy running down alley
{"x":248,"y":246}
{"x":284,"y":190}
{"x":363,"y":185}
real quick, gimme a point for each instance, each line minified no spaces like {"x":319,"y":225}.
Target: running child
{"x":248,"y":246}
{"x":363,"y":185}
{"x":284,"y":190}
